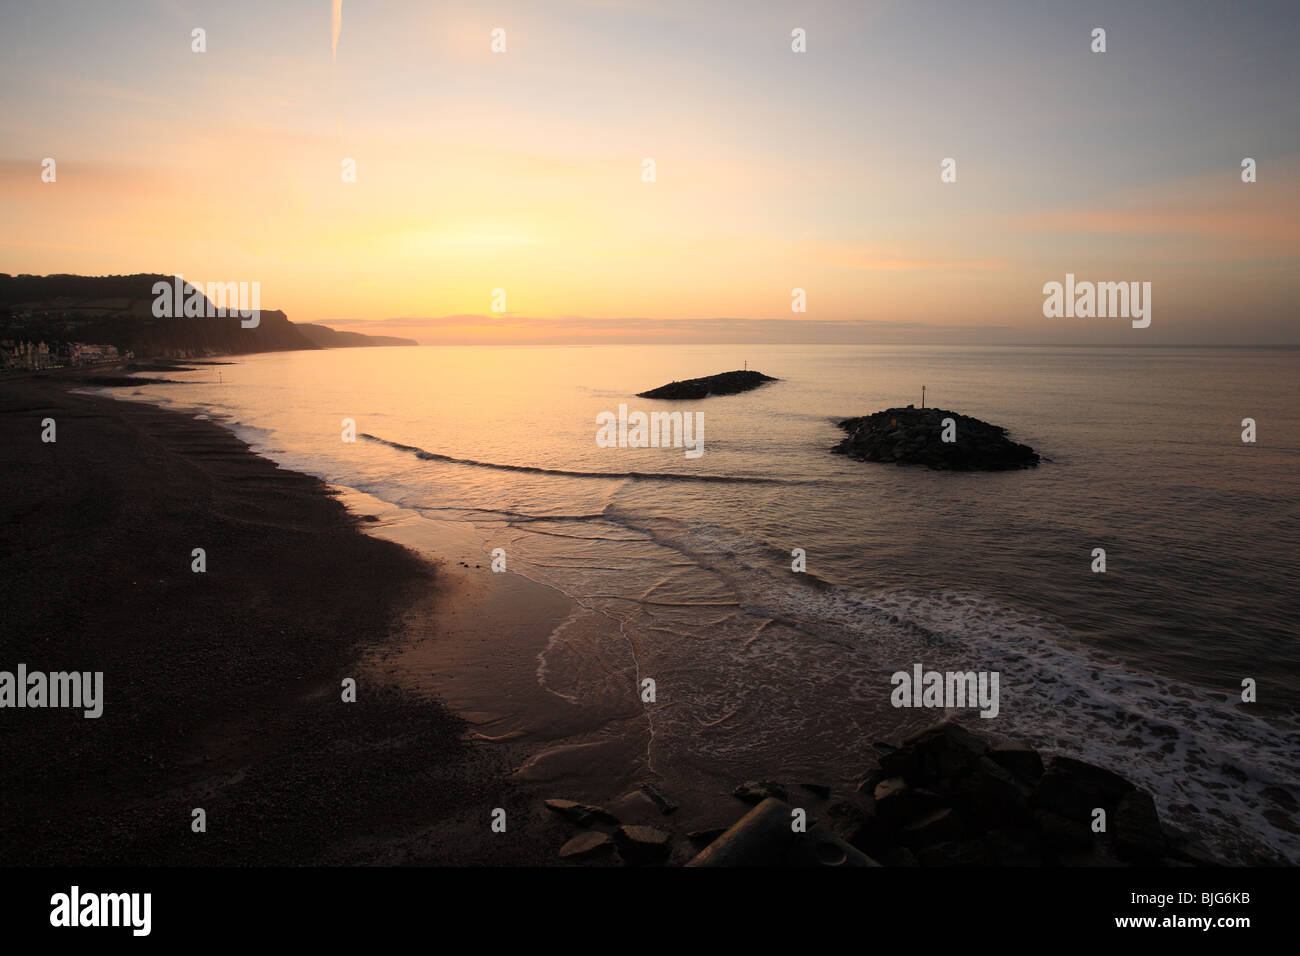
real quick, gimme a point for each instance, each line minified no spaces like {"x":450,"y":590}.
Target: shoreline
{"x":444,"y":634}
{"x":442,"y":649}
{"x":222,"y":690}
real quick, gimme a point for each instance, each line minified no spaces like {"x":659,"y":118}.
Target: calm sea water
{"x":682,"y":566}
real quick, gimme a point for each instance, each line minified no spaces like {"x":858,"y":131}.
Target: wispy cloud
{"x":564,"y":330}
{"x":336,"y":21}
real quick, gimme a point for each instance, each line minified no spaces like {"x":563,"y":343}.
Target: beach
{"x":223,"y":690}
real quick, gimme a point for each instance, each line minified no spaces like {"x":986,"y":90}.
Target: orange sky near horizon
{"x":522,"y":171}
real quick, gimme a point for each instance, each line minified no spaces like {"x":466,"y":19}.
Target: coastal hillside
{"x":118,"y":311}
{"x":327,"y":338}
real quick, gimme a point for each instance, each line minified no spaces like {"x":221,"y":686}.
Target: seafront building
{"x":38,"y":355}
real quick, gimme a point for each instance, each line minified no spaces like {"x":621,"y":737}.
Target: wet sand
{"x":222,"y":690}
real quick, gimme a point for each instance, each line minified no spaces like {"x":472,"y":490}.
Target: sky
{"x":523,"y":170}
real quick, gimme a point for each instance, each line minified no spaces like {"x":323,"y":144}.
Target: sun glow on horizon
{"x":522,"y":170}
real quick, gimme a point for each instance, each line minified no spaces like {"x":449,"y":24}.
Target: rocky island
{"x":724,"y":383}
{"x":935,"y":438}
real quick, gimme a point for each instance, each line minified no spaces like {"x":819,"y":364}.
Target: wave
{"x":568,"y":473}
{"x":1216,"y":769}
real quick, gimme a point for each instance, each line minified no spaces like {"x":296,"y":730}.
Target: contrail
{"x":337,"y":20}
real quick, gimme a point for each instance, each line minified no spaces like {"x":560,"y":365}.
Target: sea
{"x":768,"y":589}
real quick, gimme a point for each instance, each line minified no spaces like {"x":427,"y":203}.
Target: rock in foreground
{"x":915,"y":436}
{"x":642,"y":845}
{"x":587,"y":845}
{"x":724,"y":383}
{"x":950,"y":797}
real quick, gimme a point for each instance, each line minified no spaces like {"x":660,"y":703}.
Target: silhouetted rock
{"x":1074,"y":789}
{"x":724,"y":383}
{"x":867,"y":831}
{"x":936,"y":753}
{"x":1019,"y":758}
{"x":1062,"y":833}
{"x":580,"y":813}
{"x":954,"y":799}
{"x":1136,"y":827}
{"x":914,"y":436}
{"x":640,"y":845}
{"x":936,"y":827}
{"x":897,"y":802}
{"x":993,"y":797}
{"x":587,"y":845}
{"x":846,"y":818}
{"x":867,"y":781}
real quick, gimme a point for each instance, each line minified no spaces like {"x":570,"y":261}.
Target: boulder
{"x":587,"y":846}
{"x":1136,"y":828}
{"x":993,"y":797}
{"x":935,"y":754}
{"x":1073,"y":789}
{"x":863,"y":828}
{"x":943,"y":751}
{"x":1020,"y":759}
{"x":867,"y":781}
{"x":581,"y":814}
{"x":1193,"y":852}
{"x":847,"y":818}
{"x":1062,"y":833}
{"x":936,"y":827}
{"x":897,"y":802}
{"x":642,"y":845}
